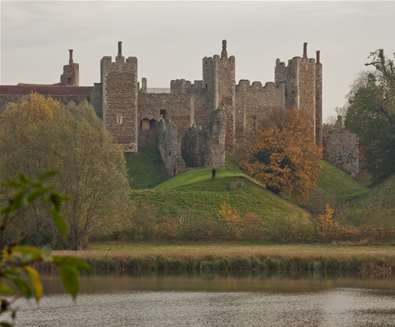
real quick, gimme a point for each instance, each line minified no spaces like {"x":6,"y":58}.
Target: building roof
{"x":46,"y":90}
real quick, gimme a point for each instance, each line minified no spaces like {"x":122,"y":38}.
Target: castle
{"x":185,"y":119}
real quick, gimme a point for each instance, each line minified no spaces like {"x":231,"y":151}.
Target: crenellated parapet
{"x":245,"y":85}
{"x":183,"y":86}
{"x":254,"y":102}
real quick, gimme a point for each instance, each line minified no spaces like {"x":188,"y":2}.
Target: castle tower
{"x":71,"y":75}
{"x":303,"y":86}
{"x":120,"y":92}
{"x":219,"y":78}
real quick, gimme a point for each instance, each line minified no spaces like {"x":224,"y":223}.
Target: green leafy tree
{"x":19,"y":277}
{"x":38,"y":134}
{"x":371,"y":115}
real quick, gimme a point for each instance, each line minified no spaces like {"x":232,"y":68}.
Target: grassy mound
{"x":145,"y":169}
{"x":198,"y":176}
{"x":374,"y":209}
{"x":194,"y":198}
{"x":334,"y":187}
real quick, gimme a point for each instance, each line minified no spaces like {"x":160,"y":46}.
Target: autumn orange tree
{"x":283,"y":154}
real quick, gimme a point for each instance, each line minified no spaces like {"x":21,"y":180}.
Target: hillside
{"x":195,"y":198}
{"x":145,"y":168}
{"x":200,"y":175}
{"x":334,"y":187}
{"x":376,"y":208}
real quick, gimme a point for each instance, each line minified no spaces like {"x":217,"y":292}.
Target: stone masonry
{"x":119,"y":99}
{"x":132,"y":112}
{"x":341,"y":147}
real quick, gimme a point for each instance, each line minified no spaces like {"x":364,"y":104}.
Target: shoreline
{"x":232,"y":258}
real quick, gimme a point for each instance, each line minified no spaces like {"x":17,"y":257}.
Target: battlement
{"x":119,"y":65}
{"x":223,"y":59}
{"x":181,"y":86}
{"x":257,"y":86}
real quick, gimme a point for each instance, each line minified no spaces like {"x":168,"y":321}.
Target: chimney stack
{"x":71,"y":56}
{"x":305,"y":50}
{"x":119,"y":48}
{"x":224,"y":52}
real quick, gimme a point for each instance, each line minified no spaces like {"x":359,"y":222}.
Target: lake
{"x":215,"y":301}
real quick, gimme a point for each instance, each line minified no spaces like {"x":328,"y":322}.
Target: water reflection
{"x":216,"y":301}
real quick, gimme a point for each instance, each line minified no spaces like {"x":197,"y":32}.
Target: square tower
{"x":303,"y":87}
{"x":120,"y":92}
{"x":219,"y":78}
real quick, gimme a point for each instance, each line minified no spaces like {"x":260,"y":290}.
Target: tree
{"x":39,"y":134}
{"x":371,"y":115}
{"x":283,"y":155}
{"x":19,"y":277}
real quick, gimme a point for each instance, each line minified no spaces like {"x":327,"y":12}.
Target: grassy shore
{"x":239,"y":257}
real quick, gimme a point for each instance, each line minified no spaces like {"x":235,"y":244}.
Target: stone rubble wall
{"x":341,"y":148}
{"x":205,"y":147}
{"x":170,"y":147}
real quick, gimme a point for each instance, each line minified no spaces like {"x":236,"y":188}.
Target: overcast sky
{"x":170,"y":38}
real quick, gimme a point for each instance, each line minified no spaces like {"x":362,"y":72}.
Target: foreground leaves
{"x":19,"y":277}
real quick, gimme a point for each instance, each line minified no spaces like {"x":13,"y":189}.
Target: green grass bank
{"x":145,"y":168}
{"x":189,"y":203}
{"x":334,"y":187}
{"x":375,"y":209}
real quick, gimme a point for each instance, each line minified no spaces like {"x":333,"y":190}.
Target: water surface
{"x":215,"y":301}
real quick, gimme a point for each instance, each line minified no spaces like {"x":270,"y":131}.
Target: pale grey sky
{"x":170,"y":38}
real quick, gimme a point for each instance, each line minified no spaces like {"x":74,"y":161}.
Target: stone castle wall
{"x":199,"y":98}
{"x":341,"y":148}
{"x":132,"y":114}
{"x":176,"y":107}
{"x":254,"y":102}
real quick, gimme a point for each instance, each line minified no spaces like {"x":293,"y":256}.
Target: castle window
{"x":119,"y":119}
{"x":152,"y":123}
{"x":145,"y":124}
